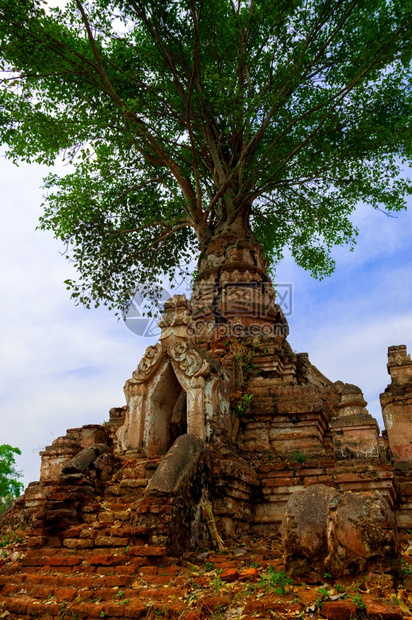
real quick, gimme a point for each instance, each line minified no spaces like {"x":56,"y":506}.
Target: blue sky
{"x":63,"y":366}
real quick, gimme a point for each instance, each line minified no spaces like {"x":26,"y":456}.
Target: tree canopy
{"x":179,"y":118}
{"x":9,"y":485}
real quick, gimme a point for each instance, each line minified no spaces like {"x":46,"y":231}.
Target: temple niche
{"x":176,"y":389}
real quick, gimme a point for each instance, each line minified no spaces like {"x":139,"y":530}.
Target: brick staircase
{"x":92,"y":567}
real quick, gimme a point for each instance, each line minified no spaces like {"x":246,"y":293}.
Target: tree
{"x":196,"y":124}
{"x":9,"y":485}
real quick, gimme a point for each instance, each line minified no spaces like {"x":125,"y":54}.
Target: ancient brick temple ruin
{"x":241,"y":426}
{"x":237,"y":422}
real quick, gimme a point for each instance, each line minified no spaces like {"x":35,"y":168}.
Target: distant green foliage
{"x":9,"y":485}
{"x":181,"y":118}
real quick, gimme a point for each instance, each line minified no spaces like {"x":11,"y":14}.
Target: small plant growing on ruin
{"x":217,"y":584}
{"x":357,"y":599}
{"x":244,"y":408}
{"x":319,"y":602}
{"x":299,"y":457}
{"x":248,"y":399}
{"x":9,"y":538}
{"x":252,"y":368}
{"x":239,"y":411}
{"x":278,"y":580}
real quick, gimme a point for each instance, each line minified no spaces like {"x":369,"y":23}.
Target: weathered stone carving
{"x":177,"y":315}
{"x":147,"y":364}
{"x":397,"y":404}
{"x":355,"y":433}
{"x":167,"y":369}
{"x":189,"y":360}
{"x":342,"y":533}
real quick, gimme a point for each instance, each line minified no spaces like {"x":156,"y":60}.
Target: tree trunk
{"x":233,"y":295}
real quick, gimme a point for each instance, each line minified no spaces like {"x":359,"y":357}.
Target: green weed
{"x":277,"y":580}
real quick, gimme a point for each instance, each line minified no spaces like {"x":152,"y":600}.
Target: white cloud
{"x":62,"y":366}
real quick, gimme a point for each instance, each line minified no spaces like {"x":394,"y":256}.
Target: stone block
{"x":64,"y":594}
{"x":255,"y":439}
{"x":229,"y":575}
{"x":211,"y":603}
{"x":135,"y":609}
{"x":383,"y":611}
{"x":109,"y":541}
{"x":249,"y":574}
{"x":344,"y":533}
{"x":355,"y":436}
{"x":114,"y":609}
{"x":92,"y":434}
{"x":75,"y":543}
{"x":18,"y":606}
{"x":339,"y":610}
{"x":106,"y":560}
{"x":56,"y":560}
{"x":93,"y":610}
{"x":146,"y":551}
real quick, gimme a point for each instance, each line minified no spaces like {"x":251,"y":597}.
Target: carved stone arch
{"x":148,"y":364}
{"x":193,"y":372}
{"x":130,"y":434}
{"x":158,"y":412}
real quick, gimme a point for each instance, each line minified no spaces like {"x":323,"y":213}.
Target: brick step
{"x":64,"y":553}
{"x":68,"y":558}
{"x":98,"y":528}
{"x":107,"y":587}
{"x":119,"y":576}
{"x":155,"y":601}
{"x":125,"y":495}
{"x":104,"y":538}
{"x":176,"y":605}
